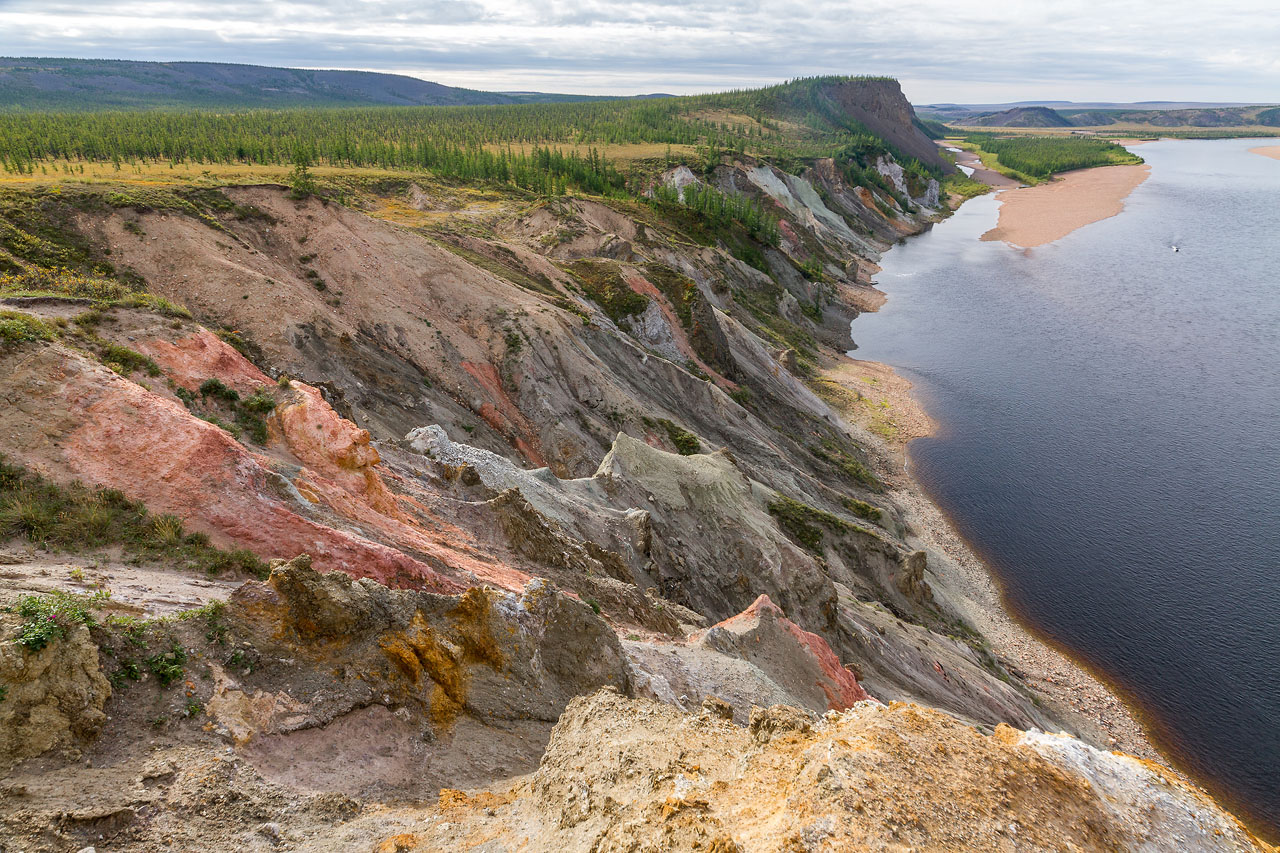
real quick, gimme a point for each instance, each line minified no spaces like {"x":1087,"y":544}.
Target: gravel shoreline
{"x":892,"y":418}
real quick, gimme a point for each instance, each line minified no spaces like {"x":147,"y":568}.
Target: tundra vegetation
{"x":544,"y":148}
{"x":1042,"y":156}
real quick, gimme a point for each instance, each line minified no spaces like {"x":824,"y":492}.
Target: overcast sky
{"x":994,"y":50}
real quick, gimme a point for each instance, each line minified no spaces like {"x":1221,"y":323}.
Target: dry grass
{"x":162,"y":173}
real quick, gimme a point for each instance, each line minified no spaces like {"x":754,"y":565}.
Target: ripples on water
{"x":1109,"y":438}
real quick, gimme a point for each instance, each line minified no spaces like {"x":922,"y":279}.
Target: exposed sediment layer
{"x":591,"y":451}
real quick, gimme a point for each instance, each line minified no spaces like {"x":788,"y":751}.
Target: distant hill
{"x":1153,"y":114}
{"x":84,"y":84}
{"x":1023,"y":117}
{"x":1198,"y":117}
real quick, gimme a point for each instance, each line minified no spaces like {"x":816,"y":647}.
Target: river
{"x":1109,"y":440}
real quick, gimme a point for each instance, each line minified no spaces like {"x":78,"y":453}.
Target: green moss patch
{"x":829,"y":451}
{"x":680,"y":290}
{"x":862,"y":509}
{"x":18,"y":328}
{"x":603,"y":284}
{"x":804,"y":523}
{"x":685,"y":442}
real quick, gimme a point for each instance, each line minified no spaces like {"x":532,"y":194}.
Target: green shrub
{"x":17,"y":328}
{"x":168,"y":666}
{"x":51,"y":617}
{"x":249,"y":414}
{"x":128,"y":670}
{"x":129,"y":361}
{"x":686,"y":443}
{"x":260,"y":402}
{"x":217,"y":389}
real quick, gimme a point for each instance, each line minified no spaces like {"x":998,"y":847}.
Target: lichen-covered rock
{"x":485,"y":654}
{"x":52,"y":697}
{"x":624,"y":774}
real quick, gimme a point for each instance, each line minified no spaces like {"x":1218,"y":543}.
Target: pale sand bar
{"x":1033,"y":216}
{"x":1272,"y":151}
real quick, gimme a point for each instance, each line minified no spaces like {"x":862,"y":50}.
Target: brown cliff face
{"x":514,"y":363}
{"x":880,"y":106}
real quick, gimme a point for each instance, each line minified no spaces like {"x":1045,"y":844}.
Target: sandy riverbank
{"x":1033,"y":216}
{"x":1272,"y":151}
{"x":990,"y":177}
{"x":887,"y":409}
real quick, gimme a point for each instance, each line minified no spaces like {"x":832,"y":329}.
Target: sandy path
{"x":1272,"y":151}
{"x":146,"y":591}
{"x":1033,"y":216}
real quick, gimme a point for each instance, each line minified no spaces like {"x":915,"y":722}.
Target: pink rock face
{"x":318,"y":487}
{"x":753,"y":624}
{"x":644,"y":287}
{"x":191,"y":360}
{"x":343,"y":472}
{"x":201,"y":474}
{"x":503,"y":414}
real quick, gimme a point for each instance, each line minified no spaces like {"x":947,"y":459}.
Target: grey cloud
{"x":1137,"y":48}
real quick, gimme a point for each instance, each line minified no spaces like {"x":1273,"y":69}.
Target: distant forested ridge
{"x":38,"y":84}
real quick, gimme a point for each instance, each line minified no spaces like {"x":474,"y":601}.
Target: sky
{"x":992,"y":51}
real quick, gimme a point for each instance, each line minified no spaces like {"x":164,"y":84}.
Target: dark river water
{"x":1109,"y":440}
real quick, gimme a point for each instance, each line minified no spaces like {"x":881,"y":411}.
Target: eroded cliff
{"x":506,"y":452}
